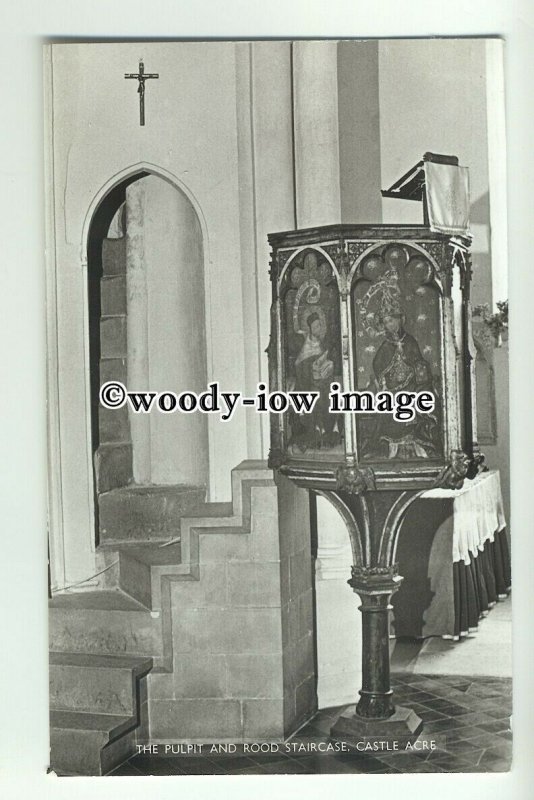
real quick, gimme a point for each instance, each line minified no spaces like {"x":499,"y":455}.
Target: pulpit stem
{"x":374,"y":520}
{"x":376,"y":694}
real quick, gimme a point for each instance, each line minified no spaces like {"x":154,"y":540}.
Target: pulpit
{"x":358,"y":310}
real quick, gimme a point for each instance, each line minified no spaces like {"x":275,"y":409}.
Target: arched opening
{"x":338,"y":661}
{"x":147,"y":330}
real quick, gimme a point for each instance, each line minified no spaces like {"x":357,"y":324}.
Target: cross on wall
{"x":141,"y":76}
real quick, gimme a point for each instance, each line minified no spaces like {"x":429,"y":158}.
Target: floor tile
{"x":233,"y":763}
{"x":429,"y":715}
{"x":469,"y":732}
{"x":286,"y":767}
{"x":327,"y":765}
{"x":125,"y":770}
{"x":200,"y":766}
{"x":464,"y":748}
{"x":441,"y":725}
{"x":501,"y":750}
{"x":484,"y":740}
{"x":498,"y":713}
{"x":474,"y":718}
{"x":268,"y":758}
{"x":153,"y":765}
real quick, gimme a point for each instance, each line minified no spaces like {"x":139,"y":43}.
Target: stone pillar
{"x":359,"y":132}
{"x":337,"y":176}
{"x":316,"y":133}
{"x":317,"y":184}
{"x":266,"y":200}
{"x":375,"y":694}
{"x":137,"y":326}
{"x":176,"y":327}
{"x":166,"y":342}
{"x":375,"y":718}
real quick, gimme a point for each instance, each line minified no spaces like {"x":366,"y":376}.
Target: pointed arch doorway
{"x":146,"y":316}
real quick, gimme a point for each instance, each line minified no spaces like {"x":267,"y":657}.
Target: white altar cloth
{"x":478,"y":513}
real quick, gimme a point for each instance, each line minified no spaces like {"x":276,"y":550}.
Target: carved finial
{"x":364,"y":578}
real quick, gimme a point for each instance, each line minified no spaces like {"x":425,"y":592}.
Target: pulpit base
{"x":402,"y":727}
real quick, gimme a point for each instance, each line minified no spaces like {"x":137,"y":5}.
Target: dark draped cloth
{"x":480,"y":584}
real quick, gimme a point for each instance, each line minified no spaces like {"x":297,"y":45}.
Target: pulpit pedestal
{"x":374,"y":520}
{"x":375,"y":718}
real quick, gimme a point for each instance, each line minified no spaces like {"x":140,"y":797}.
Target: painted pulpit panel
{"x":312,"y":352}
{"x":397,"y":347}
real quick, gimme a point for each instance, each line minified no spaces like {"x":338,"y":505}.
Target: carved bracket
{"x":355,"y":480}
{"x":453,"y":474}
{"x":477,"y":465}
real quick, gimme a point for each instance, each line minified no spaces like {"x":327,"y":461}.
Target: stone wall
{"x":242,"y":635}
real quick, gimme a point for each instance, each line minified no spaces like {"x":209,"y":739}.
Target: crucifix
{"x":141,"y":76}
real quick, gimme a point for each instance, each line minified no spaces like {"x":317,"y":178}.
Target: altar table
{"x":454,"y":556}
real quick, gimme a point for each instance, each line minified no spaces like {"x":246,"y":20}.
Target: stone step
{"x":212,"y":510}
{"x":114,"y":256}
{"x":113,"y":337}
{"x":113,"y":466}
{"x":141,"y":567}
{"x":90,"y":744}
{"x":102,"y":684}
{"x":113,"y":423}
{"x":113,"y":295}
{"x":103,"y":622}
{"x":133,"y":514}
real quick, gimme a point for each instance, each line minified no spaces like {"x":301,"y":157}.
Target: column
{"x":266,"y":200}
{"x":375,"y":695}
{"x":359,"y":132}
{"x":318,"y":202}
{"x":176,"y":331}
{"x":375,"y":717}
{"x":317,"y":187}
{"x":137,"y":326}
{"x":316,"y":132}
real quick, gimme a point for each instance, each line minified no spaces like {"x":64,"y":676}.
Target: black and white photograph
{"x":279,"y":525}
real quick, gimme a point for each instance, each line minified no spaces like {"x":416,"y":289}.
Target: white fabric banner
{"x":447,"y":192}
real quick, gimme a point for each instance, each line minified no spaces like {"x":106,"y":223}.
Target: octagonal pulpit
{"x":361,"y":313}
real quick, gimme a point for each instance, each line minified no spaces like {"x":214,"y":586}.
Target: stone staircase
{"x":102,"y":647}
{"x":110,"y":649}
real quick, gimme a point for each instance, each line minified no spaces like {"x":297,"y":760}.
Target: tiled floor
{"x":467,"y":719}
